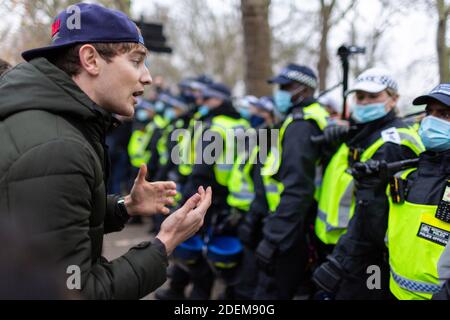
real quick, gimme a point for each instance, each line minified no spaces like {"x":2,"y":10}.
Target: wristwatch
{"x":122,"y":208}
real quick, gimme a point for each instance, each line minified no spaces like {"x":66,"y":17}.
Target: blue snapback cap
{"x":88,"y":23}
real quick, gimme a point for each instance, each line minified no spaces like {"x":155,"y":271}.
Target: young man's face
{"x":121,"y":81}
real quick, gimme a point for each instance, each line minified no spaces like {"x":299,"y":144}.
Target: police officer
{"x":137,"y":145}
{"x":191,"y":93}
{"x":288,"y":176}
{"x":182,"y":116}
{"x":376,"y":133}
{"x":247,"y":192}
{"x":217,"y":116}
{"x":413,"y":221}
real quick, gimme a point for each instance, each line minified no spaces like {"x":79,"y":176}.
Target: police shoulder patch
{"x":391,"y":135}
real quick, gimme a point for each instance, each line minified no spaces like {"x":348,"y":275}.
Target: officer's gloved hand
{"x":248,"y":236}
{"x":249,"y":230}
{"x":328,"y":276}
{"x":333,"y":135}
{"x":370,"y":174}
{"x":265,"y":257}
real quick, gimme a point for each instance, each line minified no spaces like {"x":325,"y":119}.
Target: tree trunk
{"x":257,"y":48}
{"x":324,"y":60}
{"x":442,"y":48}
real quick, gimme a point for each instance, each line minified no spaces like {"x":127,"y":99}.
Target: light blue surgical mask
{"x":435,"y":133}
{"x":282,"y":100}
{"x":203,"y":110}
{"x":142,"y":115}
{"x":170,"y":114}
{"x":245,"y":113}
{"x":368,"y":112}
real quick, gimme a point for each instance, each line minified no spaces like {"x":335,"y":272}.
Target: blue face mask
{"x":256,"y":121}
{"x":245,"y":113}
{"x":435,"y":133}
{"x":282,"y":100}
{"x":159,"y":106}
{"x":141,"y":115}
{"x":170,"y":114}
{"x":203,"y":110}
{"x":368,"y":112}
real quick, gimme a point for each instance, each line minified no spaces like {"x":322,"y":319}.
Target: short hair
{"x":392,"y":93}
{"x":4,"y":66}
{"x":68,"y":59}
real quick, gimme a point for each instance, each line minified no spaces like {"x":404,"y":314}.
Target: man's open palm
{"x":149,"y":198}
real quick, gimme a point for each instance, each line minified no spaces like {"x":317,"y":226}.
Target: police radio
{"x":443,"y":210}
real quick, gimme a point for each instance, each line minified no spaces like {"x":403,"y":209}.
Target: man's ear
{"x":90,"y":59}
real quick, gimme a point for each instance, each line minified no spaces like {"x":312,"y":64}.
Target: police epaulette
{"x":397,"y":189}
{"x":298,"y":114}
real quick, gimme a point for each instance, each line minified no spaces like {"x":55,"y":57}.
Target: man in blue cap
{"x":55,"y":111}
{"x":288,"y":176}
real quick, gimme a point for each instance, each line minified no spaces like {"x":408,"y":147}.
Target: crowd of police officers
{"x":329,"y":209}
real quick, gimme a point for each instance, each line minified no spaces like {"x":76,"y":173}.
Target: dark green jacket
{"x":52,"y":182}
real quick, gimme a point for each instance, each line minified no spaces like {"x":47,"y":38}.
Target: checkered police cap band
{"x":211,"y":93}
{"x":299,"y":77}
{"x":382,"y":80}
{"x":442,"y":89}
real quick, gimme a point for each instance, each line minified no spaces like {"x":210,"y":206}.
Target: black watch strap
{"x":122,"y":209}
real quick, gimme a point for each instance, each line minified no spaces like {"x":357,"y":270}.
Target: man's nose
{"x":146,"y":77}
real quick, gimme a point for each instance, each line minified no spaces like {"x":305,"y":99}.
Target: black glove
{"x":333,"y":135}
{"x":328,"y":276}
{"x":250,"y":230}
{"x":265,"y":257}
{"x":370,"y":175}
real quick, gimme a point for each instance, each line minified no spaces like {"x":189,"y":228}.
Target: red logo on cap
{"x":55,"y":26}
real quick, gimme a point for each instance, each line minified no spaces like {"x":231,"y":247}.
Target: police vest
{"x":139,"y":140}
{"x":163,"y":142}
{"x":226,"y":127}
{"x":273,"y":187}
{"x":416,"y":239}
{"x":223,"y":125}
{"x":240,"y":185}
{"x":187,"y":146}
{"x":336,"y":198}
